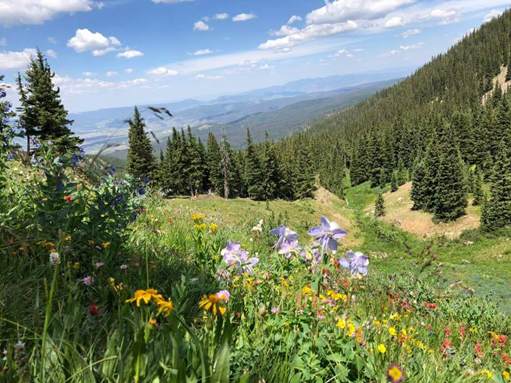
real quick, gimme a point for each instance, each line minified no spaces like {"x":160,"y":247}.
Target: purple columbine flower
{"x":237,"y":257}
{"x":285,"y":235}
{"x":289,"y":248}
{"x":355,"y":263}
{"x":327,"y":234}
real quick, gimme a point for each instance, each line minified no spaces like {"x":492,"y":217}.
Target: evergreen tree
{"x":41,"y":110}
{"x":419,"y":193}
{"x":430,"y":181}
{"x":195,"y":160}
{"x":141,"y":161}
{"x":304,"y":173}
{"x":227,"y":167}
{"x":401,"y":173}
{"x":270,"y":170}
{"x":394,"y":185}
{"x":477,"y":189}
{"x":379,"y":208}
{"x":451,"y":195}
{"x":357,"y":174}
{"x":253,"y":172}
{"x":214,"y":161}
{"x":497,"y":211}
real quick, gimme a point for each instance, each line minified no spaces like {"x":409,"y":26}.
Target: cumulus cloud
{"x":494,"y":13}
{"x":15,"y":60}
{"x":294,"y":19}
{"x":244,"y":17}
{"x":16,"y":12}
{"x":162,"y":71}
{"x":309,"y":33}
{"x":341,"y":11}
{"x":201,"y":26}
{"x":221,"y":16}
{"x":51,"y":53}
{"x":52,"y":40}
{"x":3,"y":42}
{"x":111,"y":74}
{"x":410,"y":32}
{"x":390,"y":53}
{"x":85,"y":40}
{"x":266,"y":67}
{"x":285,"y":30}
{"x":129,"y":54}
{"x":71,"y":86}
{"x":444,"y":16}
{"x":129,"y":71}
{"x":395,"y":22}
{"x":203,"y":52}
{"x":88,"y":74}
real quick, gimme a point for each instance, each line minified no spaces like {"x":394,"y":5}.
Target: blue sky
{"x":123,"y":52}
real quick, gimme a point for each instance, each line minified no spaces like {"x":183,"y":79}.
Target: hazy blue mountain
{"x":280,"y":110}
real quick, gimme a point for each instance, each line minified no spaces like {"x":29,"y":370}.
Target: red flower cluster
{"x":430,"y":305}
{"x":501,"y":340}
{"x":446,"y":345}
{"x":93,"y":310}
{"x":478,"y":350}
{"x":68,"y":198}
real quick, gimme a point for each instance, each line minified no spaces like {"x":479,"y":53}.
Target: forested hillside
{"x":434,"y":125}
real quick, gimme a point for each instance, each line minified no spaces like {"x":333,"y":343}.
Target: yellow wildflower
{"x":165,"y":307}
{"x":506,"y":376}
{"x":307,"y":291}
{"x":146,"y":296}
{"x":214,"y":303}
{"x":341,"y":323}
{"x":382,"y":349}
{"x":197,"y":217}
{"x":392,"y":331}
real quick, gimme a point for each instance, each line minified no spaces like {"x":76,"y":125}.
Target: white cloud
{"x":162,"y":71}
{"x":395,"y":22}
{"x":52,"y":40}
{"x":129,"y":54}
{"x":358,"y":50}
{"x":203,"y":52}
{"x":309,"y":33}
{"x":293,"y":19}
{"x":411,"y":47}
{"x":244,"y":17}
{"x":15,"y":12}
{"x":111,"y":74}
{"x":221,"y":16}
{"x":204,"y":77}
{"x":58,"y":80}
{"x":3,"y":42}
{"x":339,"y":53}
{"x":201,"y":26}
{"x":285,"y":30}
{"x":410,"y":32}
{"x":129,"y":71}
{"x":266,"y":67}
{"x":85,"y":40}
{"x":88,"y":74}
{"x":15,"y":60}
{"x":492,"y":15}
{"x":51,"y":53}
{"x":445,"y":16}
{"x":71,"y":86}
{"x":341,"y":11}
{"x":390,"y":53}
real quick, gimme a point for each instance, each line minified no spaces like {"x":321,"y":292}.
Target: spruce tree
{"x":419,"y":193}
{"x":226,"y":168}
{"x":253,"y":176}
{"x":477,"y":189}
{"x":497,"y":210}
{"x":42,"y":111}
{"x":401,"y":173}
{"x":214,"y":162}
{"x":270,"y":170}
{"x":304,"y":173}
{"x":379,"y":207}
{"x":451,"y":192}
{"x":394,"y":184}
{"x":430,"y":181}
{"x":195,"y":169}
{"x":141,"y":161}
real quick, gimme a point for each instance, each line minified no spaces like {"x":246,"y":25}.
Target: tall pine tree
{"x":141,"y":161}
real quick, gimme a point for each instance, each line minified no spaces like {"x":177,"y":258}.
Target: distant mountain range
{"x":278,"y":110}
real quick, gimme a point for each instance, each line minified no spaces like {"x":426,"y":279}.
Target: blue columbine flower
{"x":327,"y":234}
